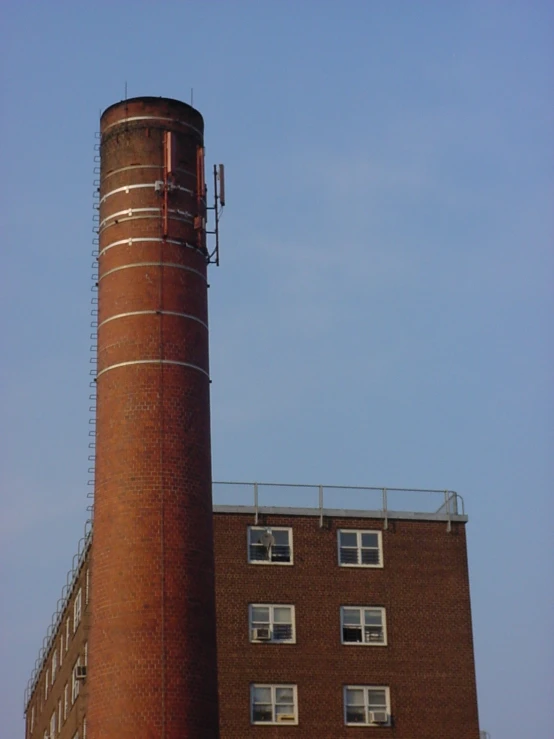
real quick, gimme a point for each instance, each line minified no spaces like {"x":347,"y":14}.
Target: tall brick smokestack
{"x":152,"y":667}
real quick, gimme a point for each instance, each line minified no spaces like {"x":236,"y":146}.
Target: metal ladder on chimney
{"x":94,"y":323}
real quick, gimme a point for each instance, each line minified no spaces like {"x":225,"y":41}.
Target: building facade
{"x":330,"y":623}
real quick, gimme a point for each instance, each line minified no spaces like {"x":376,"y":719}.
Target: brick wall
{"x":67,"y":652}
{"x":427,"y":662}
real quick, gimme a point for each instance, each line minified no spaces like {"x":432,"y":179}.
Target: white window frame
{"x":87,"y":587}
{"x":271,"y":623}
{"x":85,"y":654}
{"x":32,"y":718}
{"x":46,"y":684}
{"x":366,"y":689}
{"x":53,"y":725}
{"x":363,"y":642}
{"x":274,"y":687}
{"x":85,"y":728}
{"x":77,"y":609}
{"x":75,"y":684}
{"x":65,"y":701}
{"x":67,"y":634}
{"x":60,"y":720}
{"x":359,"y":548}
{"x":54,"y":665}
{"x":61,"y":648}
{"x":270,"y":561}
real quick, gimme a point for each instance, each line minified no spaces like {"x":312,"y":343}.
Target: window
{"x":269,"y":545}
{"x":67,"y":635}
{"x":53,"y":726}
{"x":59,"y":714}
{"x":32,"y":718}
{"x":46,"y":683}
{"x":54,"y":664}
{"x":366,"y":705}
{"x":86,"y":587}
{"x":360,"y":548}
{"x":85,"y":654}
{"x":74,"y":682}
{"x":65,"y":701}
{"x":61,"y":649}
{"x":85,"y":728}
{"x":271,"y":623}
{"x":77,"y":609}
{"x":363,"y":625}
{"x":273,"y":704}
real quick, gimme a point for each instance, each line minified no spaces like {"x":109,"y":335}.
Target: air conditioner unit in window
{"x":80,"y":672}
{"x":378,"y":717}
{"x":261,"y":634}
{"x":284,"y":717}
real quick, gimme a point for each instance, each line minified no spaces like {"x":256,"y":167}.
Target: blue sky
{"x":381,"y":314}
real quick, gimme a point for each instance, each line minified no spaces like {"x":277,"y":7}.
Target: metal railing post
{"x":447,"y":509}
{"x":256,"y":502}
{"x":321,"y":506}
{"x":385,"y":509}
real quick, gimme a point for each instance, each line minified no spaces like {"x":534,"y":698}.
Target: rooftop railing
{"x":384,"y":502}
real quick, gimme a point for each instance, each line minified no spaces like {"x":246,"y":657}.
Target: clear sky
{"x":382,"y":308}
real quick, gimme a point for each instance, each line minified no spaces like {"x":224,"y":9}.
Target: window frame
{"x":271,"y":607}
{"x":52,"y":725}
{"x":363,"y":643}
{"x":75,"y":684}
{"x":77,"y":609}
{"x":366,"y":689}
{"x":54,"y":664}
{"x":66,"y":707}
{"x":67,"y":634}
{"x":359,"y":547}
{"x":269,"y":561}
{"x":274,"y":687}
{"x":60,"y":722}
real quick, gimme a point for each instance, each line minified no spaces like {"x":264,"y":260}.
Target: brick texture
{"x":153,"y":649}
{"x":428,"y":662}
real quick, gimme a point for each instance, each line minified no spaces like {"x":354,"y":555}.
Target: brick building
{"x":330,"y":623}
{"x":181,"y":620}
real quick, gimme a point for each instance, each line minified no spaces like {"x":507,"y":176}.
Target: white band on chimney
{"x":153,"y":361}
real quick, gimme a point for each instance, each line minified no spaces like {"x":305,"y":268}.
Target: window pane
{"x":355,"y":715}
{"x":262,"y":695}
{"x":281,"y":538}
{"x":354,"y":697}
{"x":283,"y":695}
{"x":282,"y":632}
{"x":348,"y":539}
{"x":370,"y":556}
{"x":373,"y":618}
{"x":370,"y":540}
{"x":259,"y":553}
{"x":260,"y":614}
{"x":349,"y":556}
{"x":376,"y":699}
{"x":286,"y":709}
{"x":351,"y":616}
{"x":262,"y":713}
{"x":282,"y":615}
{"x":352,"y":634}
